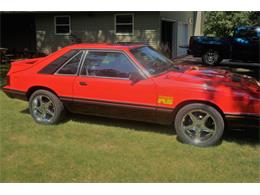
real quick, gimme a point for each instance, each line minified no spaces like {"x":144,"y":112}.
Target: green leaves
{"x":222,"y":24}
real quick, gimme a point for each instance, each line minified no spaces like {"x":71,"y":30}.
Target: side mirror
{"x":135,"y":77}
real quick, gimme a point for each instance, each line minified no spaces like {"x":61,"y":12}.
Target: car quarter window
{"x":107,"y":64}
{"x":58,"y":62}
{"x":71,"y":67}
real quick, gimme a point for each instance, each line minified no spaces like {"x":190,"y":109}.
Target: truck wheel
{"x":45,"y":107}
{"x":211,"y":57}
{"x":199,"y":124}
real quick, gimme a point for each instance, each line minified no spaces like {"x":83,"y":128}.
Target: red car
{"x":136,"y":82}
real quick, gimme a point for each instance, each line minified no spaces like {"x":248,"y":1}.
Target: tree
{"x":222,"y":24}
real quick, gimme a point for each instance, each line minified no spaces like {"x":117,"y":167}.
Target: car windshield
{"x":154,"y":62}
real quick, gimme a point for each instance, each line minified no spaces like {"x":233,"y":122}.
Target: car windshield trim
{"x":157,"y":63}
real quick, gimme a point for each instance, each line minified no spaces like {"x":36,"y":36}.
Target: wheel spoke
{"x":35,"y":102}
{"x":39,"y":99}
{"x":197,"y":135}
{"x":205,"y":118}
{"x":44,"y":116}
{"x":38,"y":109}
{"x":48,"y":104}
{"x":193,"y":118}
{"x":48,"y":111}
{"x":189,"y":128}
{"x":206,"y":129}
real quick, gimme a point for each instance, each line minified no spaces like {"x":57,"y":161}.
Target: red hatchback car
{"x":136,"y":82}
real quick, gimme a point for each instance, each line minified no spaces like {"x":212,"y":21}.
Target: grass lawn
{"x":91,"y":149}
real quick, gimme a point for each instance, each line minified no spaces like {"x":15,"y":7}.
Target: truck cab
{"x":242,"y":46}
{"x":245,"y":44}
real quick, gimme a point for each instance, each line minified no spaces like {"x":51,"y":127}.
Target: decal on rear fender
{"x":165,"y":100}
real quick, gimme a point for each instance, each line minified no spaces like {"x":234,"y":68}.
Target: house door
{"x":18,"y":32}
{"x":167,"y":38}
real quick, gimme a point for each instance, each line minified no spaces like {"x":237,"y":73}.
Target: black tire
{"x":187,"y":130}
{"x":211,"y":57}
{"x":54,"y":109}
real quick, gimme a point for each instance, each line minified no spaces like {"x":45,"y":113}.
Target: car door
{"x":104,"y":88}
{"x":245,"y":45}
{"x":255,"y":39}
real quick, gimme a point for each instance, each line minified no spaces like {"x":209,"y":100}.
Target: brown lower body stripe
{"x":129,"y":111}
{"x":145,"y":106}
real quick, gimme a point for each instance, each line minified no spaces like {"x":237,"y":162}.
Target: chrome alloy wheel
{"x":43,"y":108}
{"x":198,"y":125}
{"x":212,"y":57}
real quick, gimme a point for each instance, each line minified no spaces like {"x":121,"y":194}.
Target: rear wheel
{"x":45,"y":107}
{"x":211,"y":57}
{"x":199,"y":124}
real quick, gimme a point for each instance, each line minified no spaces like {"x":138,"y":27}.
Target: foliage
{"x":4,"y":68}
{"x":222,"y":23}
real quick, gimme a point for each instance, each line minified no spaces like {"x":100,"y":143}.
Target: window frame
{"x":104,"y":77}
{"x":79,"y":64}
{"x":55,"y":25}
{"x":115,"y":24}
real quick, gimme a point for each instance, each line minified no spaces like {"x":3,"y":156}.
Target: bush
{"x":222,"y":24}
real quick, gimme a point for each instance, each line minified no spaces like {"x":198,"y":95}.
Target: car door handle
{"x":83,"y":83}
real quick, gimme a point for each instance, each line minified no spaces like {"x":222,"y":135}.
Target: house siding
{"x":95,"y":27}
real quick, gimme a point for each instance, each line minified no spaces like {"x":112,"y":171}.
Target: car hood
{"x":214,"y":79}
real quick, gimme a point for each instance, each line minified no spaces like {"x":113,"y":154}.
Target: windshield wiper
{"x":173,"y":67}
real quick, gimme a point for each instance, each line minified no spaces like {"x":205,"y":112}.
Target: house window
{"x":62,"y":25}
{"x":124,"y":24}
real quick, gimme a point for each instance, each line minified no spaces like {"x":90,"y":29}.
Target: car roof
{"x":120,"y":46}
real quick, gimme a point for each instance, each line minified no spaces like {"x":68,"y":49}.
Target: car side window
{"x":71,"y":67}
{"x":246,"y":33}
{"x":107,"y":64}
{"x":56,"y":64}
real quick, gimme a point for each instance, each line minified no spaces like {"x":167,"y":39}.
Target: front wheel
{"x":45,"y":107}
{"x":199,"y":124}
{"x":211,"y":57}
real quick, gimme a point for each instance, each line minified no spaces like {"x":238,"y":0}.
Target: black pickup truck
{"x":243,"y":46}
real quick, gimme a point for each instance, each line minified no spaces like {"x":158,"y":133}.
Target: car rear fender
{"x":23,"y":65}
{"x":32,"y":89}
